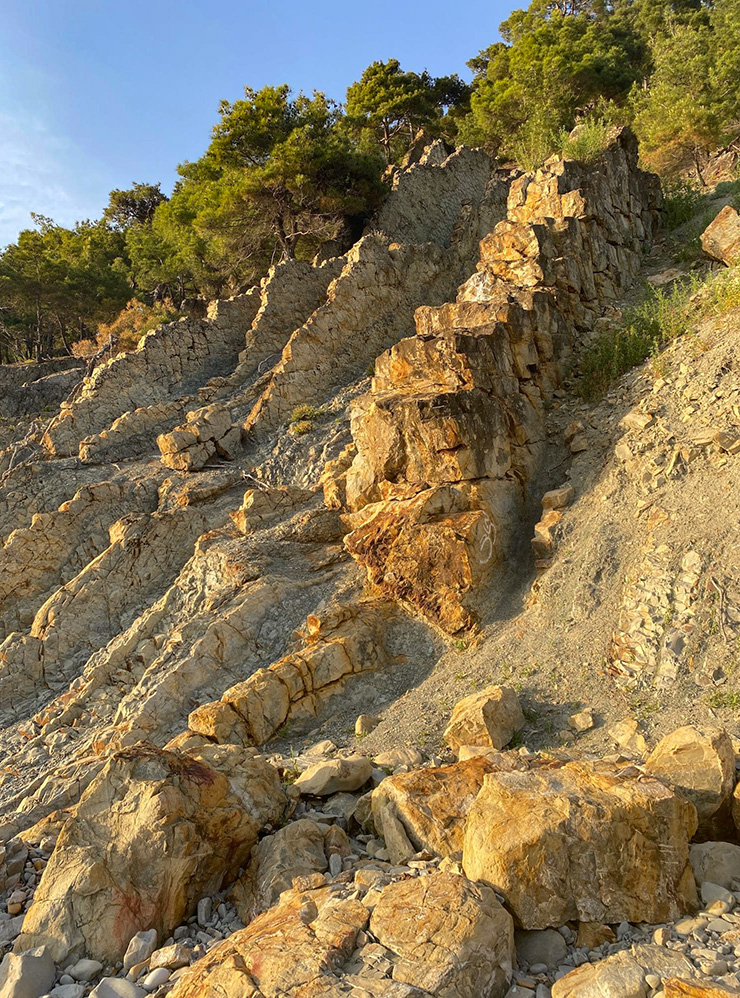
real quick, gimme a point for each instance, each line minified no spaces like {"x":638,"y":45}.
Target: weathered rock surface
{"x":27,"y":975}
{"x":676,"y":988}
{"x":297,"y":850}
{"x":716,"y":862}
{"x":489,"y":718}
{"x":438,"y":935}
{"x":454,"y":424}
{"x":622,"y":975}
{"x":721,"y":238}
{"x":428,"y":808}
{"x":582,"y":841}
{"x":152,"y":834}
{"x":700,"y":765}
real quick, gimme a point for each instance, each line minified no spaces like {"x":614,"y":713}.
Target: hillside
{"x":252,"y":567}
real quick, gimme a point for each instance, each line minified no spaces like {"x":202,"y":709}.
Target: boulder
{"x":451,"y":937}
{"x":296,"y":850}
{"x":489,"y":718}
{"x":540,"y":946}
{"x":715,"y":862}
{"x":335,"y":775}
{"x":622,"y":975}
{"x":721,"y":238}
{"x":436,"y":935}
{"x":296,"y":943}
{"x":700,"y":764}
{"x":27,"y":976}
{"x":583,"y":841}
{"x":430,"y":805}
{"x":628,"y":735}
{"x":153,"y":833}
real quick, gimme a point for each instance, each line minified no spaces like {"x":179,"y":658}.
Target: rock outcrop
{"x":453,"y":428}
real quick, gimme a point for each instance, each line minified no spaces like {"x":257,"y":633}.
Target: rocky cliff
{"x":310,"y":515}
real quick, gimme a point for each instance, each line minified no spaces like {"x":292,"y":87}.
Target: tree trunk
{"x":386,"y":140}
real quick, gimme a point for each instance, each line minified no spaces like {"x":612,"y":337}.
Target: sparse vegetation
{"x":587,"y":141}
{"x":724,"y":700}
{"x":646,"y":328}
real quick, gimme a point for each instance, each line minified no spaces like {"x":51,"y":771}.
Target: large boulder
{"x":451,"y":937}
{"x":700,"y":764}
{"x":430,"y":805}
{"x":721,"y":238}
{"x":489,"y":718}
{"x":582,"y":841}
{"x":438,"y":935}
{"x":153,"y":833}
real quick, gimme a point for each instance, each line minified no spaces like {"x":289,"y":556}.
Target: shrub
{"x":682,"y":200}
{"x":301,"y":427}
{"x":587,"y":141}
{"x":661,"y":317}
{"x":306,"y":412}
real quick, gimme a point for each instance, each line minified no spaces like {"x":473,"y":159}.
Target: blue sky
{"x":95,"y":94}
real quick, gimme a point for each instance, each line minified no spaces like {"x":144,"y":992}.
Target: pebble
{"x":155,"y":979}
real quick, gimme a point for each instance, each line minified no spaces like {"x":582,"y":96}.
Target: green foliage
{"x":57,"y":283}
{"x":137,"y":204}
{"x":306,"y":412}
{"x":587,"y":141}
{"x":645,"y":329}
{"x":388,"y":105}
{"x":555,"y":60}
{"x":682,"y":200}
{"x":691,"y":103}
{"x":661,"y":317}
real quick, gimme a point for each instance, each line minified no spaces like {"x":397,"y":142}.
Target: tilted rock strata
{"x":463,"y":401}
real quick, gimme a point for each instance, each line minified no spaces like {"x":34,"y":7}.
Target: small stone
{"x":652,"y":980}
{"x":85,"y":970}
{"x":582,"y":721}
{"x":636,"y":420}
{"x":366,"y":723}
{"x":204,"y":911}
{"x":558,"y":498}
{"x":172,"y":957}
{"x":713,"y":892}
{"x":579,"y":444}
{"x":155,"y":979}
{"x":68,"y":991}
{"x":335,"y":864}
{"x":117,"y":987}
{"x":139,"y":949}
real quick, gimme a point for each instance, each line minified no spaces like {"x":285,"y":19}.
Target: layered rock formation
{"x":229,"y":544}
{"x":453,"y":428}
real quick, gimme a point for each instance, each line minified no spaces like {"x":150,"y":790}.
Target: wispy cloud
{"x":37,"y":174}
